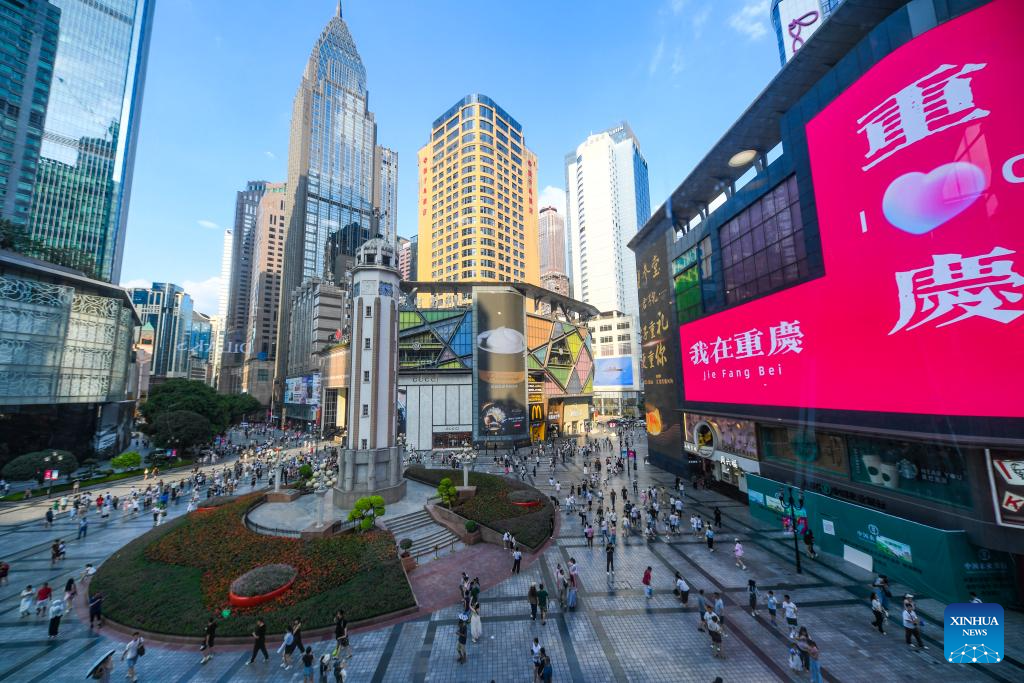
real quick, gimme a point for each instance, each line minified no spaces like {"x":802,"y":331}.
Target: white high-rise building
{"x":607,"y":201}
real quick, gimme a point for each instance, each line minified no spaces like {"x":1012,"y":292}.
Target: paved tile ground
{"x":615,"y":634}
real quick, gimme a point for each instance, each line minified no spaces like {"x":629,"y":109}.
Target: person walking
{"x":809,"y":542}
{"x":55,"y":613}
{"x":259,"y":641}
{"x":682,"y":590}
{"x":70,"y":593}
{"x":28,"y":598}
{"x":709,"y":536}
{"x":789,"y":608}
{"x":912,"y":625}
{"x":307,"y":665}
{"x":133,"y":649}
{"x":609,"y":562}
{"x":542,"y":604}
{"x":286,"y":649}
{"x":43,"y":599}
{"x":772,"y":607}
{"x":813,"y":657}
{"x":517,"y":559}
{"x":460,"y":647}
{"x":879,"y":613}
{"x":702,"y":604}
{"x":83,"y":527}
{"x":719,"y":608}
{"x":96,"y":610}
{"x":476,"y":627}
{"x":718,"y":518}
{"x":752,"y":596}
{"x":715,"y":631}
{"x":297,"y":631}
{"x":737,"y":552}
{"x":341,"y":635}
{"x":802,"y":639}
{"x":535,"y":653}
{"x":209,"y":634}
{"x":646,"y":581}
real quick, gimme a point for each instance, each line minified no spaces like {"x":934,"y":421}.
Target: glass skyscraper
{"x":334,"y":167}
{"x":80,"y":200}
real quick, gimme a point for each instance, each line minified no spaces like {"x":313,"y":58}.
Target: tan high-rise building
{"x":269,"y":233}
{"x":477,"y":199}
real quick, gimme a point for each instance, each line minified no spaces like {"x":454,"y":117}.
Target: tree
{"x":367,"y":509}
{"x":446,"y":492}
{"x":32,"y":465}
{"x":128,"y":460}
{"x":184,"y":395}
{"x":181,"y":429}
{"x":237,"y":406}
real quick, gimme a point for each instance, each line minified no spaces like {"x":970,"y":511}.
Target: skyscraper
{"x":168,"y":310}
{"x":407,"y":256}
{"x":478,"y":198}
{"x":29,"y":29}
{"x":334,"y":168}
{"x":385,"y":192}
{"x":551,"y":236}
{"x":236,"y":316}
{"x":83,"y":183}
{"x":608,"y":201}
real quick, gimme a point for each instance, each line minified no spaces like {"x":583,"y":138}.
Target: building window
{"x":369,"y":312}
{"x":366,"y":375}
{"x":763,"y":248}
{"x":366,"y":343}
{"x":366,"y":410}
{"x":362,"y":444}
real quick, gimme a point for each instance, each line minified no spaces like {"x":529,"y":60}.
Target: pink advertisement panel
{"x":918,"y":172}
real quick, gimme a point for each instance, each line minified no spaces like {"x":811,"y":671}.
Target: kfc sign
{"x":918,"y":172}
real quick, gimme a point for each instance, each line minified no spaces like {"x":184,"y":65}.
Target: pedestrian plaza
{"x":614,"y":634}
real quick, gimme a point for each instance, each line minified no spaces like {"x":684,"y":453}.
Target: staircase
{"x":425,"y":533}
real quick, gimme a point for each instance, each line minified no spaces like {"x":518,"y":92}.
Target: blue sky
{"x":222,"y":76}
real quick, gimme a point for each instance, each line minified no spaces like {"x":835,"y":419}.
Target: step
{"x":407,"y":528}
{"x":411,"y":519}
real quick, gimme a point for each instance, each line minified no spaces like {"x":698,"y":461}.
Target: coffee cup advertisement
{"x":500,"y":360}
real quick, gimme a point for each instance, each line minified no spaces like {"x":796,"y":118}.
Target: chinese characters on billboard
{"x":659,"y":353}
{"x":918,"y":173}
{"x":499,"y":356}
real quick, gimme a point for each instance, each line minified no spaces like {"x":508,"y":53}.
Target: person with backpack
{"x":132,"y":651}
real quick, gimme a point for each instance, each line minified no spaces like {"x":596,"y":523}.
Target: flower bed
{"x":172,"y":578}
{"x":494,"y":506}
{"x":261,"y":585}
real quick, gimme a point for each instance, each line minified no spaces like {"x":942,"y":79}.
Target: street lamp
{"x":796,"y":541}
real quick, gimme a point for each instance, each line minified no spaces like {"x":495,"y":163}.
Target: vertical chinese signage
{"x":499,"y":361}
{"x":924,"y":263}
{"x":659,"y":358}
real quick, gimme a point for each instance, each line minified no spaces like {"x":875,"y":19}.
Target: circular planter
{"x":253,"y":600}
{"x":527,"y":504}
{"x":260,"y":598}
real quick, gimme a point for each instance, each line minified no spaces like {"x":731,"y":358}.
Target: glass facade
{"x":28,"y":32}
{"x":168,"y":310}
{"x":83,"y":183}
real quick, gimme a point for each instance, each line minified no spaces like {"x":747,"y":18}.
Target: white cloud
{"x":659,"y":52}
{"x":677,"y":6}
{"x":208,"y":224}
{"x":137,"y":282}
{"x":205,"y":294}
{"x":699,"y":20}
{"x":752,"y":19}
{"x":552,"y":196}
{"x":270,"y":155}
{"x":678,"y":63}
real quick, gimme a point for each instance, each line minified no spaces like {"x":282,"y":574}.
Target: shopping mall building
{"x":833,"y":299}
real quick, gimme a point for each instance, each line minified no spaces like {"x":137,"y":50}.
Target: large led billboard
{"x":613,"y":372}
{"x":918,"y":173}
{"x":303,"y":390}
{"x":499,"y":359}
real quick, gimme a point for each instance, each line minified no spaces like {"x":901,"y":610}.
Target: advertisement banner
{"x":799,"y":19}
{"x":738,"y":437}
{"x":923,"y":470}
{"x":613,"y":372}
{"x":924,"y":263}
{"x":303,"y":391}
{"x":499,"y":356}
{"x":659,"y":357}
{"x":935,"y":561}
{"x":1006,"y":475}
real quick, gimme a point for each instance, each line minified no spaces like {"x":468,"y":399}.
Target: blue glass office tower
{"x":80,"y":200}
{"x":28,"y":36}
{"x":332,"y":173}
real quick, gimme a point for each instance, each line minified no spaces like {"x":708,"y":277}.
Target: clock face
{"x":386,"y":289}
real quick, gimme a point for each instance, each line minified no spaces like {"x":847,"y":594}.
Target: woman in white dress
{"x":27,"y":598}
{"x":476,"y":628}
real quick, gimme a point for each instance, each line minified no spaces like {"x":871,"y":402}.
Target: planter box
{"x":282,"y":496}
{"x":408,"y":563}
{"x":472,"y":538}
{"x":253,"y":600}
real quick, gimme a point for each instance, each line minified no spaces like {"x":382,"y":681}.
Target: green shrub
{"x":305,"y":472}
{"x":128,"y":460}
{"x":32,"y":465}
{"x":446,"y":492}
{"x":405,"y":543}
{"x":470,"y":526}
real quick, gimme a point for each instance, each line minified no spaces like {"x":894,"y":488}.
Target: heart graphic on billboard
{"x":918,"y":203}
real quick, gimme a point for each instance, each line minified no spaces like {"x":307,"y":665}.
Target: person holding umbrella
{"x":102,"y":668}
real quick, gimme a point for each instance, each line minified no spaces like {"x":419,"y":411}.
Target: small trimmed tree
{"x":32,"y":465}
{"x":446,"y":492}
{"x":128,"y":460}
{"x":367,"y":509}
